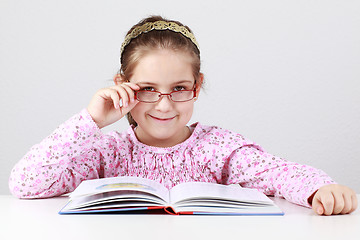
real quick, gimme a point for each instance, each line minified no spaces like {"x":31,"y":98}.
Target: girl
{"x":156,"y":87}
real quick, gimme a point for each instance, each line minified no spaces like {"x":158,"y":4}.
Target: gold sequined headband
{"x":158,"y":25}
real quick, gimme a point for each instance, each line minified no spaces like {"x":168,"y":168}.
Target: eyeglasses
{"x":175,"y":96}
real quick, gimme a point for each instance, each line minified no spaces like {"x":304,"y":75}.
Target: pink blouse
{"x":77,"y":150}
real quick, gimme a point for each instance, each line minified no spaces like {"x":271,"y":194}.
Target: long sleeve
{"x":233,"y":159}
{"x":60,"y":162}
{"x":252,"y":167}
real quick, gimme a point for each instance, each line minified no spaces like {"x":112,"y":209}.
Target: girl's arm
{"x":300,"y":184}
{"x":68,"y":156}
{"x":252,"y":167}
{"x":60,"y":162}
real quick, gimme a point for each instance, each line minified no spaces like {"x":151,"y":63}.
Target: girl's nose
{"x":164,"y":104}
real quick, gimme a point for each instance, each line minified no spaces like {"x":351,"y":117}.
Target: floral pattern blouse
{"x":78,"y":150}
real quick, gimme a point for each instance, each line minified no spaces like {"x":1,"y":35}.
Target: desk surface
{"x":39,"y":219}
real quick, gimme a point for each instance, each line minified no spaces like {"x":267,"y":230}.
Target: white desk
{"x":39,"y":219}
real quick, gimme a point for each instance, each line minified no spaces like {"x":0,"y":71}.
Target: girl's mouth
{"x":162,"y":119}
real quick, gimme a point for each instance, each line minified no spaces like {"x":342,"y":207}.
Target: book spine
{"x":170,"y":210}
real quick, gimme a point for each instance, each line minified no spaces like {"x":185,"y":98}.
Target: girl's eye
{"x":148,"y":89}
{"x":179,"y":88}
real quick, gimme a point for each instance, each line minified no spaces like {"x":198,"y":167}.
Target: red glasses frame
{"x":165,"y":94}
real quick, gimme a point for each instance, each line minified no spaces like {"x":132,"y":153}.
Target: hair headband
{"x":158,"y":25}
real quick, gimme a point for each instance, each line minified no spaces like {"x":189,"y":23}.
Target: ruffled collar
{"x":194,"y":128}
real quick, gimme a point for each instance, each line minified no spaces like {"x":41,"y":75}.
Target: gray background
{"x":282,"y":73}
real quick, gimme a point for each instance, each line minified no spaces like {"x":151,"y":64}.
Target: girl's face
{"x":163,"y":124}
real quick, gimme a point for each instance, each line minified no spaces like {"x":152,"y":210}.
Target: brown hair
{"x":144,"y":43}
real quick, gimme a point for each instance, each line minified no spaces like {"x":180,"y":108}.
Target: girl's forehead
{"x":163,"y":67}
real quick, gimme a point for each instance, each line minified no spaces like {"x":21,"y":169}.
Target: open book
{"x":133,"y":195}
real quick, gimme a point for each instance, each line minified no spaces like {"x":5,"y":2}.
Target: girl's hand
{"x":105,"y":108}
{"x":334,"y":199}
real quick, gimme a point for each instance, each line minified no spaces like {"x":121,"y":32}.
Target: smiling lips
{"x":162,"y":119}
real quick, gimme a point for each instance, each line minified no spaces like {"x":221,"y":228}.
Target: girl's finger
{"x":129,"y":88}
{"x":130,"y":92}
{"x":327,"y":200}
{"x":125,"y":110}
{"x":113,"y":94}
{"x":123,"y":95}
{"x":347,"y":204}
{"x":132,"y":85}
{"x":339,"y":202}
{"x":317,"y":207}
{"x":354,"y":202}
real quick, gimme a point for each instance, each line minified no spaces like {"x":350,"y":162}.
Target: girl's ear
{"x":199,"y":83}
{"x":118,"y":79}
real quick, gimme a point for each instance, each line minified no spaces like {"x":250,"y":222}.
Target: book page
{"x":204,"y":190}
{"x":118,"y":184}
{"x":116,"y":199}
{"x":122,"y":197}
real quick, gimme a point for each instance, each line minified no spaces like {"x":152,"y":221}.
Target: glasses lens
{"x":151,"y":97}
{"x":182,"y":96}
{"x":147,"y":96}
